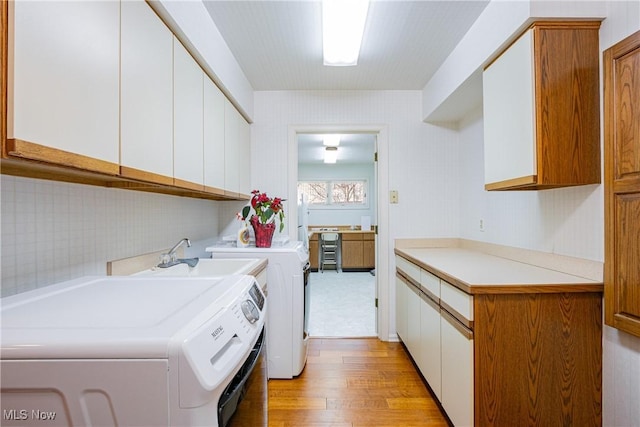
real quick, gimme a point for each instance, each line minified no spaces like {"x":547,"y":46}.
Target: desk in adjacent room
{"x":356,"y":248}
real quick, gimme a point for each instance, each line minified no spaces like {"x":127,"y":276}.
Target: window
{"x":334,"y":194}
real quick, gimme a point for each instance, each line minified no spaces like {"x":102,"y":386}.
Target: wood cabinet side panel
{"x":567,"y":105}
{"x":538,"y":359}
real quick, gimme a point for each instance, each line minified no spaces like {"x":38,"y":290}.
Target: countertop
{"x":480,"y":273}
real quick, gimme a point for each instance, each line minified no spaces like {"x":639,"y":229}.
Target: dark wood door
{"x":622,"y":184}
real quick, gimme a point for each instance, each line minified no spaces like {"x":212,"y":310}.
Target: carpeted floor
{"x":342,"y":305}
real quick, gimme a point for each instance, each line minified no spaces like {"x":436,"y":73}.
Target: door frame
{"x":383,"y":288}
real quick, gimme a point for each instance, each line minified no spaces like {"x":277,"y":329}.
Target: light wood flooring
{"x":354,"y":382}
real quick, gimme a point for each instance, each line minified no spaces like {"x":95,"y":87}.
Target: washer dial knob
{"x":250,"y":311}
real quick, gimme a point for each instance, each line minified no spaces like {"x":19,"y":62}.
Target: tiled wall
{"x":55,"y":231}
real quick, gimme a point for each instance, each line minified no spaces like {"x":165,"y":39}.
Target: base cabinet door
{"x":429,"y":361}
{"x":457,"y":371}
{"x":413,"y":322}
{"x":401,"y":308}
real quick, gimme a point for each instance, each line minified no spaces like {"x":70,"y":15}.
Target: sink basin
{"x":206,"y":268}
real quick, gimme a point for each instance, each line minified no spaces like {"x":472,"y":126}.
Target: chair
{"x":328,"y":250}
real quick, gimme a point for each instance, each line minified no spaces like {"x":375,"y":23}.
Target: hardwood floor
{"x":354,"y":382}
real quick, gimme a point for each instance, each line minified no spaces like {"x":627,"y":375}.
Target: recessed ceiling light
{"x":330,"y":154}
{"x":342,"y":29}
{"x":331,"y":140}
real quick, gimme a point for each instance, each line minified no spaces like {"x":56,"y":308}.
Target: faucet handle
{"x":165,"y":258}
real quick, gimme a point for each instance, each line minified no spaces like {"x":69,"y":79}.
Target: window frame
{"x":331,"y":205}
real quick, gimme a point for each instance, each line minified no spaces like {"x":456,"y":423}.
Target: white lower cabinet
{"x":401,"y":308}
{"x":413,"y":321}
{"x":441,"y":345}
{"x":429,"y":360}
{"x":457,"y":371}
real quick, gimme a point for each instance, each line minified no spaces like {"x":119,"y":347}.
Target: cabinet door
{"x":352,"y":250}
{"x":508,"y":103}
{"x":214,"y":167}
{"x":146,"y":112}
{"x":413,"y":322}
{"x":231,"y":149}
{"x":188,"y":163}
{"x":401,"y":308}
{"x":622,"y":185}
{"x":244,"y":159}
{"x":63,"y":83}
{"x":369,"y":251}
{"x":429,"y":361}
{"x":457,"y":370}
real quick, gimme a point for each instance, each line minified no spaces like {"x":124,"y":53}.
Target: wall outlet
{"x":482,"y":225}
{"x":393,"y":196}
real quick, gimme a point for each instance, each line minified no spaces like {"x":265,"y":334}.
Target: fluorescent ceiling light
{"x":330,"y":154}
{"x":342,"y":29}
{"x":331,"y":140}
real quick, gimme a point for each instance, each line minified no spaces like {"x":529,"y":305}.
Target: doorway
{"x":337,"y":198}
{"x":384,"y":277}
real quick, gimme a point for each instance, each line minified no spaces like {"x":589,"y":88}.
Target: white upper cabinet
{"x":236,"y":150}
{"x":188,"y":119}
{"x":541,"y":109}
{"x":63,"y":80}
{"x":214,"y":152}
{"x":509,"y":147}
{"x":245,"y":157}
{"x":147,"y":95}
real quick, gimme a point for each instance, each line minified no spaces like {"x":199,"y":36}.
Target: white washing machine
{"x":287,"y":324}
{"x":134,"y":352}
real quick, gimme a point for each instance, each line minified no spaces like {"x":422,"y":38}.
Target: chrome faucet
{"x":169,"y":259}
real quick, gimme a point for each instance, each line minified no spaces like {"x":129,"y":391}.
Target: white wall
{"x":56,"y":231}
{"x":422,"y":159}
{"x":341,"y":216}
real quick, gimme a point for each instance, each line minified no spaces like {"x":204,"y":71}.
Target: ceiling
{"x":278,"y":44}
{"x":353,"y":149}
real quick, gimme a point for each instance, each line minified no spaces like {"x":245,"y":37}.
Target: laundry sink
{"x":207,"y":267}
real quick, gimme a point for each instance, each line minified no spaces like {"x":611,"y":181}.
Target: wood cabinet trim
{"x":456,"y":315}
{"x":145,"y":176}
{"x":4,"y":54}
{"x":516,"y":183}
{"x":187,"y":185}
{"x":453,"y":321}
{"x":18,"y":148}
{"x":410,"y":281}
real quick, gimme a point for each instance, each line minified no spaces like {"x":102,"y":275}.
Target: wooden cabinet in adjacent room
{"x":313,"y":252}
{"x":357,"y":250}
{"x":542,"y":110}
{"x":622,"y":184}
